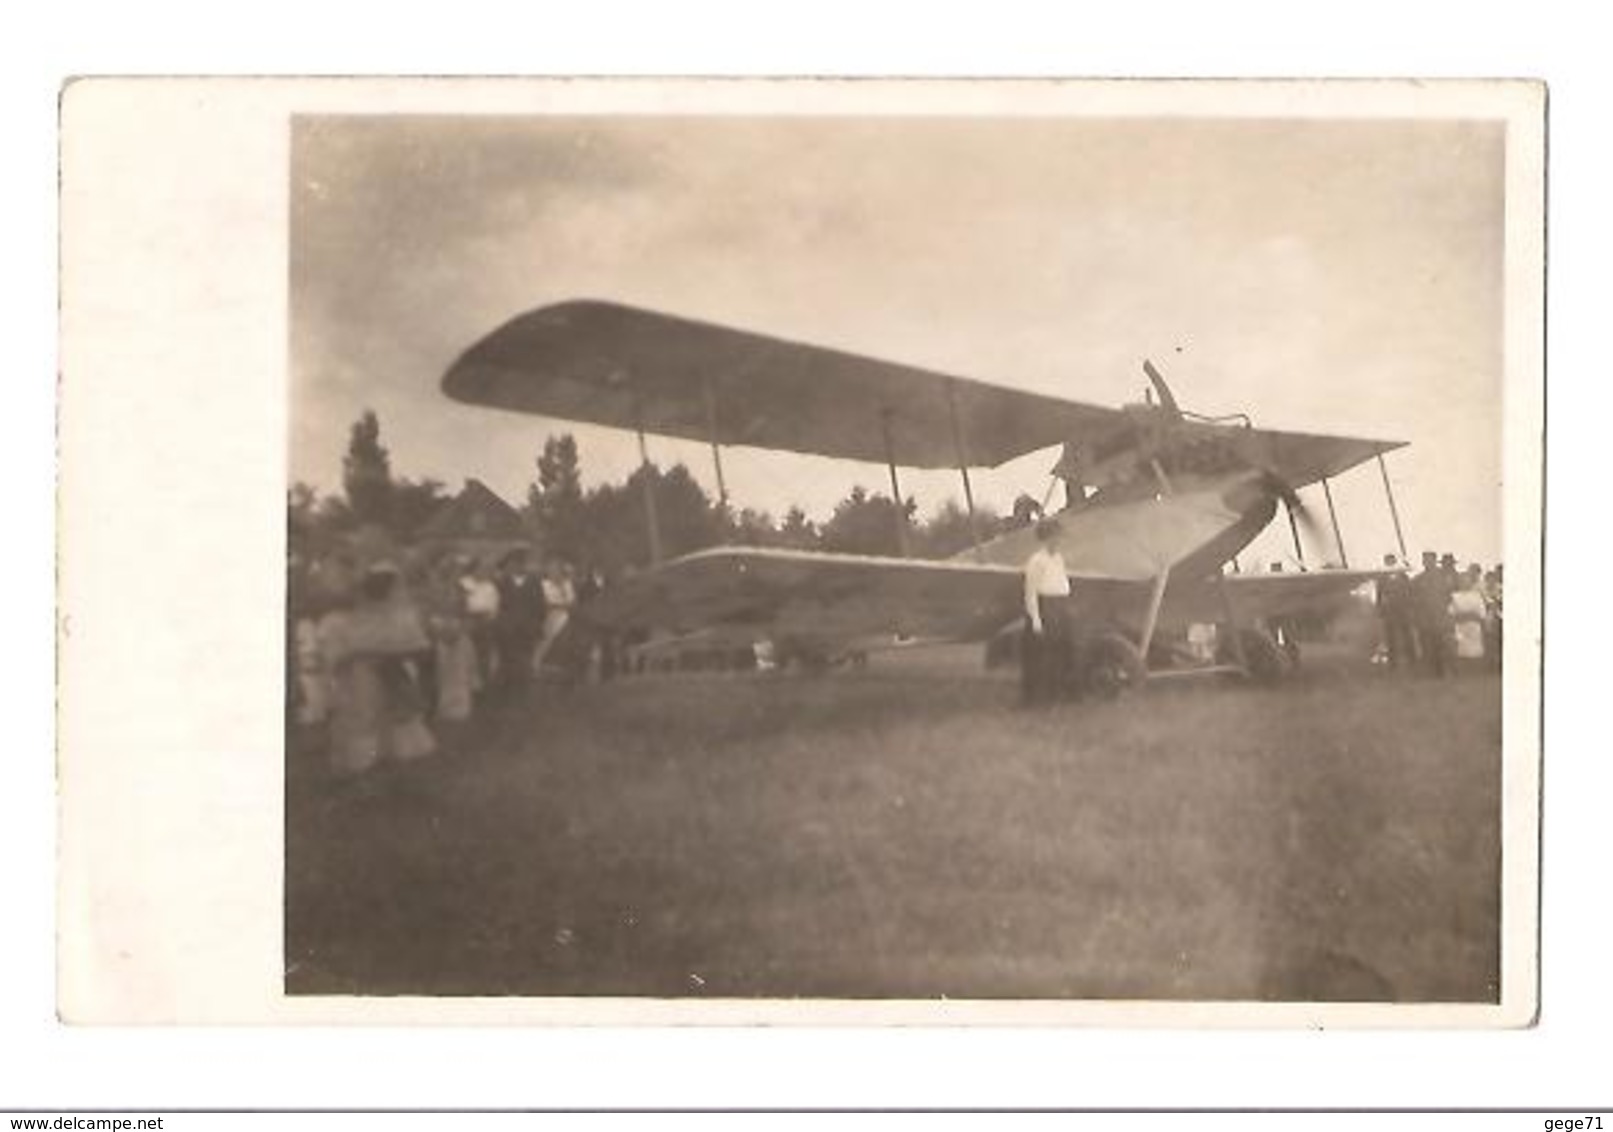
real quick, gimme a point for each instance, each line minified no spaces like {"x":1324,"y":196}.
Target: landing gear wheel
{"x":1267,"y":661}
{"x":812,"y":662}
{"x":803,"y":658}
{"x":1291,"y":651}
{"x":1114,"y":667}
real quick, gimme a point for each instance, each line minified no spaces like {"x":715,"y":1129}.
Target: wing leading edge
{"x":623,"y":367}
{"x":602,"y":363}
{"x":1255,"y":597}
{"x":840,"y":597}
{"x":809,"y":594}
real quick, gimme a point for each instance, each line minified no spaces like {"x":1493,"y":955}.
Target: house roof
{"x":477,"y":512}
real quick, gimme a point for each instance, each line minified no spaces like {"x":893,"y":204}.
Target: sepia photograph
{"x":800,"y":552}
{"x":1019,"y":548}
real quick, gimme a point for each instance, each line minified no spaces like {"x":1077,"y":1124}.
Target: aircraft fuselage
{"x":1191,"y":530}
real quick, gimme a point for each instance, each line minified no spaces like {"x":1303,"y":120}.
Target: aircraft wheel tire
{"x":1268,"y":662}
{"x":1114,"y":667}
{"x":812,"y":662}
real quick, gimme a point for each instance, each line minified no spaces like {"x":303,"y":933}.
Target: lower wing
{"x":836,"y":601}
{"x":813,"y":597}
{"x":1255,"y":597}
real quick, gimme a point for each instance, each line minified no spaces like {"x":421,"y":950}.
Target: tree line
{"x":605,"y":526}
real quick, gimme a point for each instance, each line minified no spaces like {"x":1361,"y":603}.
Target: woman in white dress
{"x":559,"y":595}
{"x":1469,"y":613}
{"x":371,"y":650}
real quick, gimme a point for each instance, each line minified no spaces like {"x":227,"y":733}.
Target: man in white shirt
{"x":1045,"y":663}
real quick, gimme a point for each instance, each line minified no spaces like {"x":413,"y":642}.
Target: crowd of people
{"x":390,"y":664}
{"x":393,"y":664}
{"x":1440,"y":617}
{"x":1438,"y":620}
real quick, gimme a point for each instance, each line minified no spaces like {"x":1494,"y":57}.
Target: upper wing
{"x":623,"y":367}
{"x":814,"y":596}
{"x":627,"y":368}
{"x":1297,"y":458}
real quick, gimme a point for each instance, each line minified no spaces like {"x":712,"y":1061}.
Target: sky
{"x":1324,"y":276}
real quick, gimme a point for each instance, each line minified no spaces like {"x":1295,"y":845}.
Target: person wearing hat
{"x":1395,"y":601}
{"x":1045,"y":657}
{"x":373,"y":649}
{"x":1493,"y":606}
{"x":521,"y":610}
{"x":1432,"y":592}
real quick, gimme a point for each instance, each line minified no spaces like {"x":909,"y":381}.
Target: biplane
{"x":1158,"y":500}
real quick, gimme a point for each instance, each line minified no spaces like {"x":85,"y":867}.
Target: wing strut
{"x":1293,"y":529}
{"x":1234,"y":630}
{"x":896,"y":486}
{"x":963,"y":463}
{"x":1152,"y":618}
{"x":1333,"y":516}
{"x":1394,"y":513}
{"x":711,"y":431}
{"x":652,"y":520}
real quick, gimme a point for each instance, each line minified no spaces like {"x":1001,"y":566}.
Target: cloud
{"x":1334,"y":276}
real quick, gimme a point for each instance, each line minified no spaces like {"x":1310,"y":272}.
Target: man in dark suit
{"x":521,"y":608}
{"x":1432,"y":590}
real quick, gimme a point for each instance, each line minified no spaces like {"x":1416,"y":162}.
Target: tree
{"x":613,"y":529}
{"x":749,"y":527}
{"x":555,"y":502}
{"x":367,"y":472}
{"x":690,"y":520}
{"x":799,"y":532}
{"x":949,"y":532}
{"x":866,"y":524}
{"x":302,"y":518}
{"x":301,"y":502}
{"x":334,"y":515}
{"x":315,"y":523}
{"x":610,"y":539}
{"x":413,"y":503}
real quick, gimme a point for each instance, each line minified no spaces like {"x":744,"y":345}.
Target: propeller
{"x":1283,"y":490}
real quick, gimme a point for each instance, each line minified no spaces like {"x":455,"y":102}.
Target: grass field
{"x":907,"y":831}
